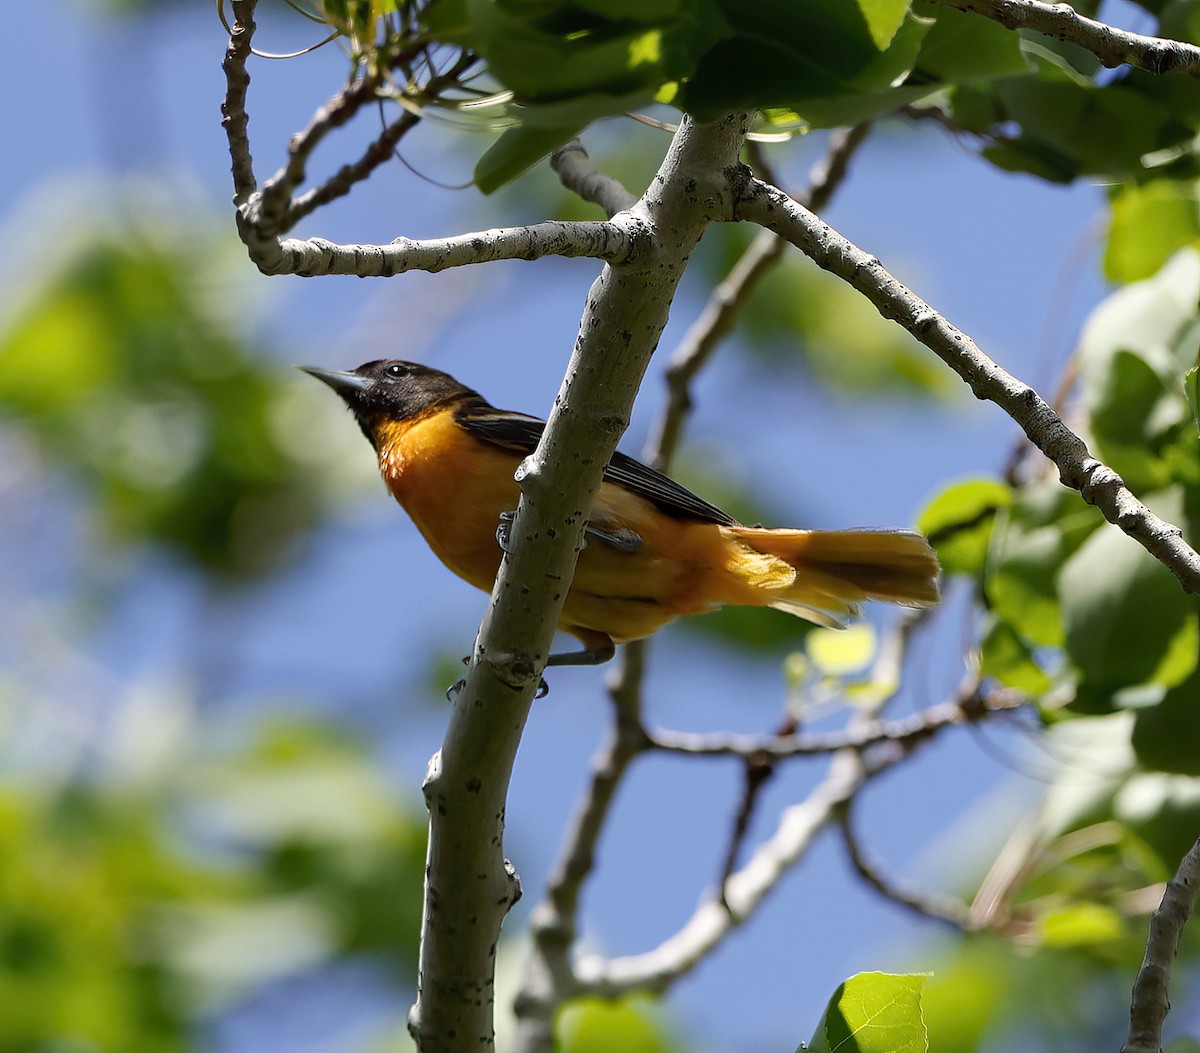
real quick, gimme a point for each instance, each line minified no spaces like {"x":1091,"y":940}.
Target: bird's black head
{"x":391,"y":390}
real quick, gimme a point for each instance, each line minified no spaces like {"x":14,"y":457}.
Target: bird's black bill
{"x":342,"y":383}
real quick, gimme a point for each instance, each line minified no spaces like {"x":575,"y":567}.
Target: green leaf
{"x":1130,"y":405}
{"x":1030,"y":541}
{"x":1006,"y":657}
{"x":1148,"y":224}
{"x":1165,"y":736}
{"x":517,"y":150}
{"x":836,"y":111}
{"x":778,"y":53}
{"x":447,"y":21}
{"x":540,"y":65}
{"x":883,"y":18}
{"x":1126,"y":620}
{"x":1133,"y":352}
{"x":839,"y":652}
{"x":1098,"y":130}
{"x":874,"y":1013}
{"x":960,"y":48}
{"x":633,"y":10}
{"x":1081,"y":925}
{"x":958,"y":523}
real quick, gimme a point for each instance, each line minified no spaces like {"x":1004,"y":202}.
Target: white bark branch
{"x":726,"y":909}
{"x":1113,"y":47}
{"x":469,"y":886}
{"x":611,"y":242}
{"x":1096,"y":482}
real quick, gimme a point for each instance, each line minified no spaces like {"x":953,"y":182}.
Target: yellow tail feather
{"x":823,"y":576}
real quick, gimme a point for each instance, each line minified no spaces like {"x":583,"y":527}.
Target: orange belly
{"x":455,"y":488}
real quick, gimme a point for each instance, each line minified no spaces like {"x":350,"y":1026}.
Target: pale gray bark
{"x":469,"y":885}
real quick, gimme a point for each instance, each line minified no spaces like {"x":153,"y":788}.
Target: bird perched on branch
{"x":654,"y":550}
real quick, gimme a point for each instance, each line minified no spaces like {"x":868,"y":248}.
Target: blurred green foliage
{"x":589,"y":1025}
{"x":125,"y":356}
{"x":132,"y":906}
{"x":798,"y":313}
{"x":1101,"y":637}
{"x":1079,"y":614}
{"x":153,"y":883}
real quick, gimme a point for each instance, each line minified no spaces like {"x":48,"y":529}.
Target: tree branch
{"x":263,"y":215}
{"x":276,"y":198}
{"x":469,"y":888}
{"x":862,"y":735}
{"x":1150,"y":1004}
{"x":310,"y":258}
{"x":343,"y":180}
{"x":1097,"y":483}
{"x":233,"y":108}
{"x":549,"y":978}
{"x":727,"y":908}
{"x":1113,"y":47}
{"x":940,"y":908}
{"x":578,"y":174}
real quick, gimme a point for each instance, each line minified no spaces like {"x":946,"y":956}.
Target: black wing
{"x":521,"y":433}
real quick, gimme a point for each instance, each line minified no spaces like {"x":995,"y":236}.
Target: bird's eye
{"x":396,"y":369}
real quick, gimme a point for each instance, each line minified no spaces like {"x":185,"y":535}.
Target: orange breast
{"x":455,"y":488}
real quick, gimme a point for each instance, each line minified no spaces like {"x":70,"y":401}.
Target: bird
{"x":653,"y":551}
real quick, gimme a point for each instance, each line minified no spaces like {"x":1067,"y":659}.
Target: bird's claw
{"x":455,"y":689}
{"x":504,"y":530}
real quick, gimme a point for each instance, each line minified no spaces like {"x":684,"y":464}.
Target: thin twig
{"x":1113,"y":47}
{"x":233,"y":108}
{"x":381,"y":150}
{"x":724,"y":910}
{"x":730,"y":297}
{"x":1097,"y":483}
{"x":276,"y":197}
{"x":579,"y":174}
{"x":1150,"y":1003}
{"x":757,"y":771}
{"x":941,"y":908}
{"x":859,"y":736}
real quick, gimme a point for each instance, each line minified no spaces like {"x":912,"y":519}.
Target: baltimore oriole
{"x":654,"y":550}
